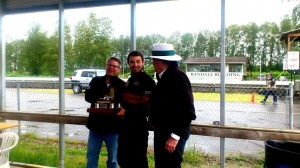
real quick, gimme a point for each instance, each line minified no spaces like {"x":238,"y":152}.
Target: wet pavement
{"x":238,"y":114}
{"x":244,"y":114}
{"x":296,"y":109}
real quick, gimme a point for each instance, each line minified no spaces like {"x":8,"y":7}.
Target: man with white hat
{"x":172,"y":107}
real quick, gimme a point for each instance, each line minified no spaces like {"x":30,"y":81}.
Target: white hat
{"x":164,"y":51}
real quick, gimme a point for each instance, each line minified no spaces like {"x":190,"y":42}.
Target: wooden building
{"x":209,"y":68}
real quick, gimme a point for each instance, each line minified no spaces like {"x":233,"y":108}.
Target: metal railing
{"x":246,"y":120}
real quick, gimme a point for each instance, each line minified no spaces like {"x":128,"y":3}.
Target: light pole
{"x":260,"y":68}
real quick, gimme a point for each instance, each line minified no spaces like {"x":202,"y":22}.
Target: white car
{"x":81,"y":78}
{"x":261,"y":77}
{"x":283,"y":78}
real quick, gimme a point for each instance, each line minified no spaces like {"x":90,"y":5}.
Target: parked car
{"x":81,"y":78}
{"x":283,"y":78}
{"x":261,"y":77}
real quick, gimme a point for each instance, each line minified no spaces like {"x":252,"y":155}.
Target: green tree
{"x":250,"y":32}
{"x":296,"y":17}
{"x":14,"y":51}
{"x":213,"y":44}
{"x":233,"y":40}
{"x":175,"y":39}
{"x":51,"y":57}
{"x":92,"y":43}
{"x":286,"y":24}
{"x":200,"y":45}
{"x":275,"y":50}
{"x":268,"y":41}
{"x":187,"y":43}
{"x":35,"y":50}
{"x":296,"y":25}
{"x":121,"y":50}
{"x":69,"y":55}
{"x":144,"y":44}
{"x":157,"y":38}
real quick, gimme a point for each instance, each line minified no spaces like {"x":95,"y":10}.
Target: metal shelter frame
{"x":289,"y":37}
{"x":26,"y":6}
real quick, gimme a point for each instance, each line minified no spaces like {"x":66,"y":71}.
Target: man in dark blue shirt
{"x":104,"y":127}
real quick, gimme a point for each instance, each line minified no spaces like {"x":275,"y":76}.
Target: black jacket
{"x":270,"y":81}
{"x":136,"y":99}
{"x":172,"y":103}
{"x":98,"y":89}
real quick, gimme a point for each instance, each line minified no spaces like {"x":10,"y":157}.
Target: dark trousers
{"x":271,"y":92}
{"x":132,"y":146}
{"x":164,"y":159}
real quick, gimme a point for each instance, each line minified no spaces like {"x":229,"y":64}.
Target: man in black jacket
{"x":133,"y":137}
{"x":172,"y":107}
{"x":104,"y":127}
{"x":270,"y":89}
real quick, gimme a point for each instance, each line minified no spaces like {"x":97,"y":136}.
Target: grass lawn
{"x":229,"y":97}
{"x":54,"y":91}
{"x":44,"y":151}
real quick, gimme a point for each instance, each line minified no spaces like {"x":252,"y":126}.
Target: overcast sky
{"x":162,"y":17}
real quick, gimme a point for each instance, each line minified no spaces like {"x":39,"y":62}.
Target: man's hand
{"x":171,"y":145}
{"x":121,"y":112}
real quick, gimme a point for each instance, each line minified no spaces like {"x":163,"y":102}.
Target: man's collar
{"x":160,"y":74}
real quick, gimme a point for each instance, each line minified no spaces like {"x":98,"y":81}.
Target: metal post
{"x":260,"y":68}
{"x":287,"y":100}
{"x":222,"y":86}
{"x":2,"y":62}
{"x":61,"y":83}
{"x":291,"y":119}
{"x":132,"y":26}
{"x":19,"y":106}
{"x":18,"y":95}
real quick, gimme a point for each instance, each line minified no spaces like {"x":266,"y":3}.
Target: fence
{"x":242,"y":109}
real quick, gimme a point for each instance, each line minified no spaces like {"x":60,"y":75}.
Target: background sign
{"x":291,"y":61}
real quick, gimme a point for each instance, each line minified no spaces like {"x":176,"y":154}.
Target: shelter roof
{"x":295,"y":34}
{"x":25,"y":6}
{"x":202,"y":60}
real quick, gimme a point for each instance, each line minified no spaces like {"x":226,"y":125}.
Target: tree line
{"x":92,"y":43}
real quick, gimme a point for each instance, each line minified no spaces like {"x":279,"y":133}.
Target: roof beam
{"x":27,"y":6}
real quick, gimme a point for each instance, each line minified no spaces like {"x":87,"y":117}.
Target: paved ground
{"x":259,"y":115}
{"x":296,"y":109}
{"x":243,"y":114}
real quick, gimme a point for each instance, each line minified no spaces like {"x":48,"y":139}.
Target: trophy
{"x":106,"y":104}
